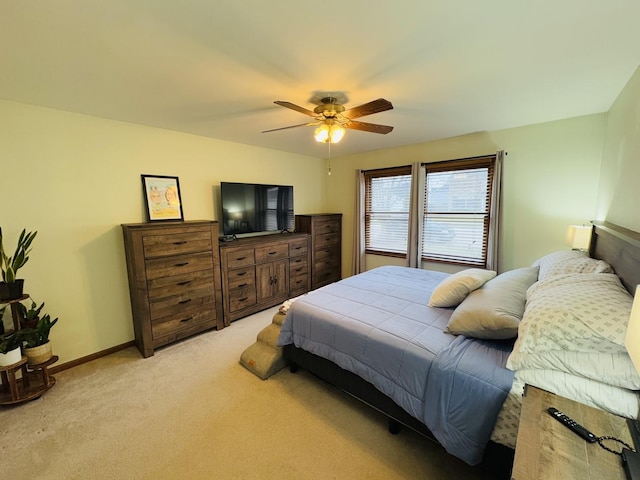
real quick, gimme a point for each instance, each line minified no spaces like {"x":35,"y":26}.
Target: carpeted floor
{"x":193,"y":412}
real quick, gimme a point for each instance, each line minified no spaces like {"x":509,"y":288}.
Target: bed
{"x":375,"y":336}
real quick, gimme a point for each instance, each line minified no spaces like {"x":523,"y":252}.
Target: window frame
{"x":369,"y":175}
{"x":485,"y":161}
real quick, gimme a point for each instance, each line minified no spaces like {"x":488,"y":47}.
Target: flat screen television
{"x":256,"y":208}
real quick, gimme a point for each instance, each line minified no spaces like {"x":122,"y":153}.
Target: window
{"x":457,"y":204}
{"x":386,"y":210}
{"x":456,"y":211}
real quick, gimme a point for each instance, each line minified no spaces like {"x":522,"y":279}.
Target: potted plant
{"x":10,"y":348}
{"x":37,"y":346}
{"x":29,"y":316}
{"x":2,"y":319}
{"x":11,"y":287}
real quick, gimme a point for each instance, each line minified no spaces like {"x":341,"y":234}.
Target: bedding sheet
{"x":378,"y":325}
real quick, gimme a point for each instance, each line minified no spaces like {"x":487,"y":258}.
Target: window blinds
{"x":387,"y":199}
{"x":456,"y":211}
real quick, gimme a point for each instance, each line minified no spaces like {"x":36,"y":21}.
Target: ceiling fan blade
{"x":295,"y":107}
{"x":286,"y":128}
{"x":376,"y":106}
{"x":369,"y":127}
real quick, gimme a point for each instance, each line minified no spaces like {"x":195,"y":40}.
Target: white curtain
{"x":494,"y":247}
{"x":358,"y":264}
{"x":416,"y":216}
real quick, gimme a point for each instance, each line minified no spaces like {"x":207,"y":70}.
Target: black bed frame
{"x":617,"y":246}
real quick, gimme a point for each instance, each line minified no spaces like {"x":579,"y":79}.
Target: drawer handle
{"x":182,"y":302}
{"x":184,"y":283}
{"x":299,"y":269}
{"x":242,"y":285}
{"x":180,"y":243}
{"x":243,"y":299}
{"x":186,"y":319}
{"x":181,"y":264}
{"x":240,"y":258}
{"x":272,"y":253}
{"x":240,"y":274}
{"x":297,"y":248}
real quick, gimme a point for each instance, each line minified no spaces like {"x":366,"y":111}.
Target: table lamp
{"x":579,"y":237}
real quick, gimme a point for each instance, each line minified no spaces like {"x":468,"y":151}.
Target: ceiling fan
{"x":332,"y":118}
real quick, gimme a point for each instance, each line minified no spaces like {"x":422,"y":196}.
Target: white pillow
{"x":569,"y":261}
{"x":581,"y":312}
{"x":453,"y":289}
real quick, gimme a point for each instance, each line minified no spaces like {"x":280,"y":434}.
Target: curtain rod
{"x":467,"y":158}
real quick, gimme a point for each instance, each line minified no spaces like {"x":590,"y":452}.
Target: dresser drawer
{"x":323,"y":277}
{"x":242,"y":298}
{"x":235,"y":258}
{"x":328,"y":263}
{"x":298,"y":247}
{"x":299,"y":282}
{"x":178,"y":265}
{"x":175,"y":244}
{"x":177,"y":303}
{"x":179,"y":284}
{"x":326,"y":226}
{"x":183,"y":320}
{"x":242,"y":277}
{"x":272,"y":252}
{"x":326,"y":239}
{"x":298,"y":266}
{"x":328,"y":251}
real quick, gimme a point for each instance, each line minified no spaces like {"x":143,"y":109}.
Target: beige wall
{"x":619,"y":193}
{"x":75,"y":179}
{"x":550,"y":181}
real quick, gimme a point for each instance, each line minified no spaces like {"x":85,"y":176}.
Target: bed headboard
{"x":620,"y":248}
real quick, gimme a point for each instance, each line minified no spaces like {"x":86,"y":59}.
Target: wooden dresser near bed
{"x":174,"y":280}
{"x":326,"y":246}
{"x":263,"y":271}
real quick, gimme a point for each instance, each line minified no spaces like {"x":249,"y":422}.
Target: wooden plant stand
{"x":35,"y":379}
{"x":34,"y":382}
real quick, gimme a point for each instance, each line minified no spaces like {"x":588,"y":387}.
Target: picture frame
{"x":162,"y":198}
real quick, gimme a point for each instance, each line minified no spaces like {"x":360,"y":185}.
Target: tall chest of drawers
{"x":260,"y":272}
{"x":174,"y":281}
{"x":326,"y":246}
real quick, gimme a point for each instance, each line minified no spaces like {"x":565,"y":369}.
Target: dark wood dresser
{"x":263,"y":271}
{"x":174,"y":280}
{"x":326,"y":246}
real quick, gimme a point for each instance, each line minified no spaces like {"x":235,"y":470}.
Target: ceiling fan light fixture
{"x":329,"y":133}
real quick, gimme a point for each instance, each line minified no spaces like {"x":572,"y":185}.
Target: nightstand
{"x":546,"y":449}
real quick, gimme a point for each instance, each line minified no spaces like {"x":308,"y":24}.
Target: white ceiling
{"x":214,"y":67}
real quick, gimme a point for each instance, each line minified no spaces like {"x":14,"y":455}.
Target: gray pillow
{"x":494,"y":310}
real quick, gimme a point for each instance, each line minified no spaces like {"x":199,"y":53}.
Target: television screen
{"x":254,"y":208}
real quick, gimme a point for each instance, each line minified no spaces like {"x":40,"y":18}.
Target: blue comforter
{"x":378,"y":326}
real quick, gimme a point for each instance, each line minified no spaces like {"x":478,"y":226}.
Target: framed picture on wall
{"x":162,"y":197}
